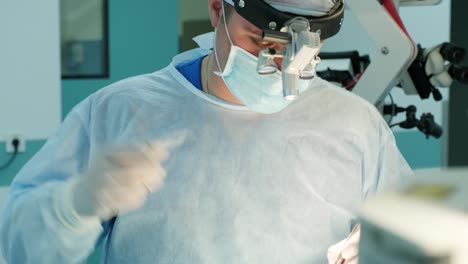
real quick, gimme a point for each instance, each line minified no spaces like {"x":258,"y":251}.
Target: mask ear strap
{"x":219,"y":73}
{"x":230,"y":41}
{"x":225,"y":25}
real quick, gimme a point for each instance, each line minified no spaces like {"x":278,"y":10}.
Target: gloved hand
{"x":119,"y":180}
{"x":348,"y":249}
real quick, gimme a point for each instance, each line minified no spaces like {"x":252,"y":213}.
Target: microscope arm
{"x":395,"y":50}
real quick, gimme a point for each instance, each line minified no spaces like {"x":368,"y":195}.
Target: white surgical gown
{"x":242,"y":188}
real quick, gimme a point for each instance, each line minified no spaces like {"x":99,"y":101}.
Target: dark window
{"x":84,"y":39}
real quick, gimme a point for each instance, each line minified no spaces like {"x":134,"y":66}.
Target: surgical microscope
{"x":399,"y":63}
{"x":414,"y":69}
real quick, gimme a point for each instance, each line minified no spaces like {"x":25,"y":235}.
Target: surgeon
{"x":206,"y":161}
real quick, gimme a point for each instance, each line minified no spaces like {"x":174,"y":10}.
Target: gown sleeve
{"x":32,"y":230}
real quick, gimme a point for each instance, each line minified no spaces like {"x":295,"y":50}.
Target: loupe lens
{"x":266,"y":64}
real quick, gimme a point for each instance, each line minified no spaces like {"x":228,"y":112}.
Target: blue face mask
{"x":260,"y":93}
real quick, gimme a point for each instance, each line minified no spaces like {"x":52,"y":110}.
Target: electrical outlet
{"x":9,"y":143}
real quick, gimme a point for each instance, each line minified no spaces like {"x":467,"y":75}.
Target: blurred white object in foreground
{"x":424,"y":221}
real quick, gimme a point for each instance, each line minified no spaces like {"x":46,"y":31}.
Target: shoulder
{"x":162,"y":85}
{"x":147,"y":92}
{"x":157,"y":90}
{"x":342,"y":104}
{"x":137,"y":86}
{"x":347,"y":113}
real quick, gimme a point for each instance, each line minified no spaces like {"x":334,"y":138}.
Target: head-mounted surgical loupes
{"x":299,"y":57}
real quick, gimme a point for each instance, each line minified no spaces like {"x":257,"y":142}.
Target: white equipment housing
{"x":423,"y":221}
{"x":396,"y":50}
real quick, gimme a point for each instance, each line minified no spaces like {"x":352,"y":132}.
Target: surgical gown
{"x":242,"y":188}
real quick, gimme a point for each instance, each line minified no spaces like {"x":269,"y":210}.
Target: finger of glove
{"x":132,"y":180}
{"x":331,"y":256}
{"x":133,"y":203}
{"x":120,"y":206}
{"x":107,"y":182}
{"x":159,"y":149}
{"x":151,"y":178}
{"x":135,"y":157}
{"x":105,"y":206}
{"x":119,"y":197}
{"x":125,"y":174}
{"x":174,"y":141}
{"x":155,"y":151}
{"x":353,"y":260}
{"x":334,"y":251}
{"x":106,"y":213}
{"x":128,"y":202}
{"x":351,"y":248}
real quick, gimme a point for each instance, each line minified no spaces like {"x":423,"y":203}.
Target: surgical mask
{"x":260,"y":93}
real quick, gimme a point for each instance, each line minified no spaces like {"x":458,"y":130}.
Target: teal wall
{"x":7,"y":174}
{"x":419,"y":151}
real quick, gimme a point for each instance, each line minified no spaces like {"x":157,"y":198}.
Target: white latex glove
{"x":119,"y":180}
{"x":348,"y":248}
